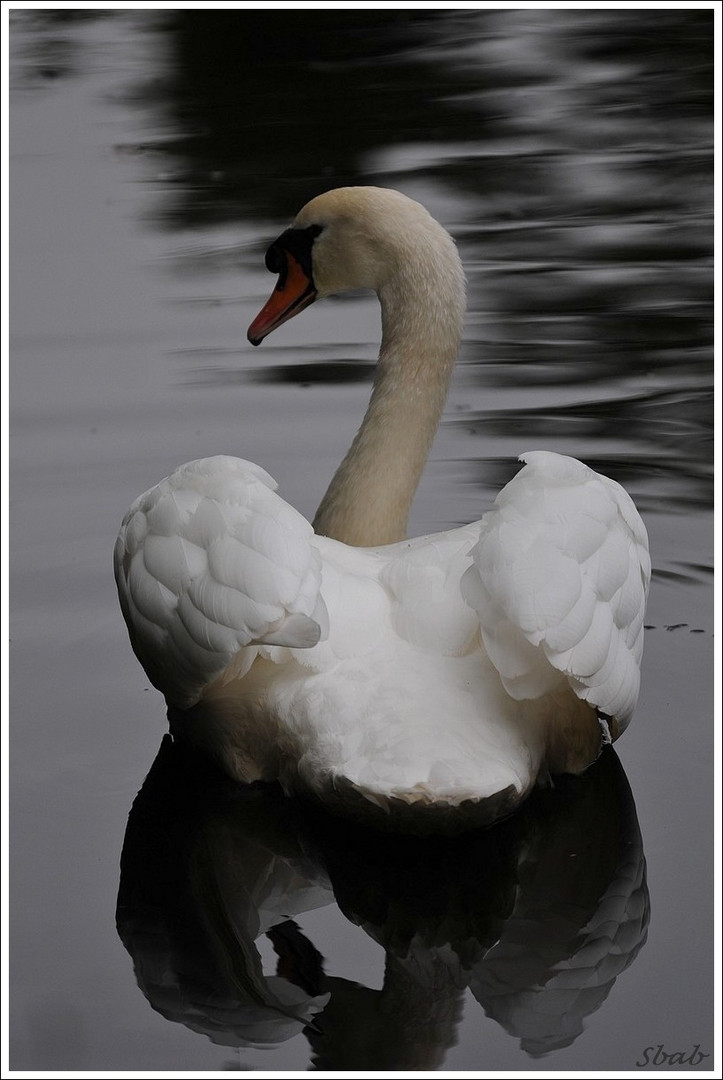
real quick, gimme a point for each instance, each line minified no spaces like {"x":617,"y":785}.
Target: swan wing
{"x":210,"y":563}
{"x":560,"y":579}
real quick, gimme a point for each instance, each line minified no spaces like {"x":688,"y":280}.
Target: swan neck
{"x":369,"y":499}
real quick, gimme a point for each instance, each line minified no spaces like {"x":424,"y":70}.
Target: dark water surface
{"x":153,"y":156}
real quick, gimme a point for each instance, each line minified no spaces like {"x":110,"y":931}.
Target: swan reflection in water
{"x":537,"y":915}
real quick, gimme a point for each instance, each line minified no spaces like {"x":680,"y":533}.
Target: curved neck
{"x":368,"y":501}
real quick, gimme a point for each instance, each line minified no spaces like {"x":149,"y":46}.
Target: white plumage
{"x":562,"y":570}
{"x":412,"y":675}
{"x":212,"y":561}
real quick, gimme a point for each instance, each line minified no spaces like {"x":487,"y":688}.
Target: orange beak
{"x":294,"y":291}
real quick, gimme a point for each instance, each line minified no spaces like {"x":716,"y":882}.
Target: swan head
{"x":358,"y":238}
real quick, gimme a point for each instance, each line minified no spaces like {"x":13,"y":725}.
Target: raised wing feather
{"x":559,"y":581}
{"x":209,"y":562}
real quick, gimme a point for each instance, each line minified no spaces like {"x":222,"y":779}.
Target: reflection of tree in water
{"x":278,"y":105}
{"x":262,"y":108}
{"x":269,"y":107}
{"x":281,"y":103}
{"x":537,"y":916}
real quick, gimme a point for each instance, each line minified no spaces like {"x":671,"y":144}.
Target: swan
{"x":434,"y":679}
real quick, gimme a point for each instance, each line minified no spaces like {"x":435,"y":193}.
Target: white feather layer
{"x":210,"y":563}
{"x":560,"y":579}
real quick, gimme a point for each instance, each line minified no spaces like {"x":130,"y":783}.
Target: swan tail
{"x":559,"y":580}
{"x":210,"y":564}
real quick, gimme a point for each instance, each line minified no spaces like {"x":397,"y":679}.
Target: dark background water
{"x":153,"y":157}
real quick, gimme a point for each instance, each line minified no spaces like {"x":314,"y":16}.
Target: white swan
{"x":349,"y":662}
